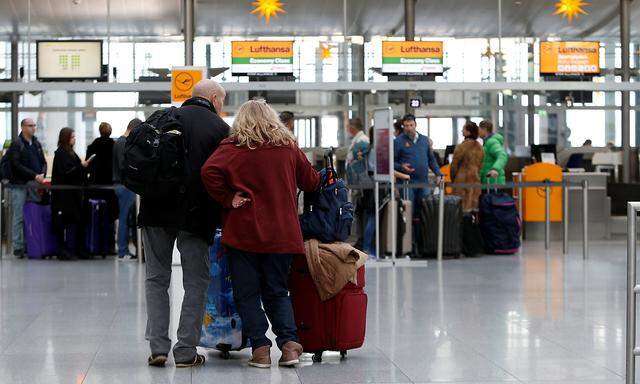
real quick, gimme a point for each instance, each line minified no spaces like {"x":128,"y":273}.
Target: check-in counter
{"x":599,"y":205}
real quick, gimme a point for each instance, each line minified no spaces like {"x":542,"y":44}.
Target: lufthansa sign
{"x":183,"y":79}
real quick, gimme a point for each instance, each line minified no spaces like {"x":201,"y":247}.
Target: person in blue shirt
{"x":413,"y":155}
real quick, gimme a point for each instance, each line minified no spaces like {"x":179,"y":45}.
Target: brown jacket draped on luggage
{"x":332,"y":266}
{"x":465,"y":168}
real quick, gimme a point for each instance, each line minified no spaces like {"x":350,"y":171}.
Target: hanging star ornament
{"x":571,"y":9}
{"x":325,"y":52}
{"x":267,"y":9}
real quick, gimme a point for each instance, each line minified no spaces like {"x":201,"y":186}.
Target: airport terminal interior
{"x":526,"y":278}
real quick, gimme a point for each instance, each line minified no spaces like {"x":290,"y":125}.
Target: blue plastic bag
{"x":221,"y":326}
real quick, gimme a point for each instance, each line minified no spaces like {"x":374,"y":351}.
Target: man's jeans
{"x":194,"y":255}
{"x":416,"y":196}
{"x":263,"y":277}
{"x":18,"y":199}
{"x":126,"y":199}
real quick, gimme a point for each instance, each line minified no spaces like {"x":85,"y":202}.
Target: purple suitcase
{"x":100,"y":237}
{"x":39,"y":237}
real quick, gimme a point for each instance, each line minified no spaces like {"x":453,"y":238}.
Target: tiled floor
{"x":534,"y":318}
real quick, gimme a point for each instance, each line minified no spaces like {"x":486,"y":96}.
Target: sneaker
{"x":19,"y":253}
{"x":157,"y":360}
{"x":198,"y":360}
{"x":291,"y":352}
{"x":261,"y":357}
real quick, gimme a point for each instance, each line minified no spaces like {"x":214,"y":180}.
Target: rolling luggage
{"x":499,"y":223}
{"x":472,"y":242}
{"x":221,"y":326}
{"x":337,"y":324}
{"x":40,"y":239}
{"x":100,"y":235}
{"x":452,"y":239}
{"x":404,"y":229}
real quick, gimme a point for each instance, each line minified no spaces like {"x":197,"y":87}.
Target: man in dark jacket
{"x":27,"y":164}
{"x":190,"y":218}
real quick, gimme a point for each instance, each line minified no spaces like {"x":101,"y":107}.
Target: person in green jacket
{"x":495,"y":157}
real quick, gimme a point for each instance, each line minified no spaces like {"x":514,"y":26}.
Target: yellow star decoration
{"x":326,"y":52}
{"x":267,"y":8}
{"x":571,"y":9}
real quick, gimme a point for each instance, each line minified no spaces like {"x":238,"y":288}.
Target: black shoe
{"x":197,"y":361}
{"x":19,"y":253}
{"x":157,"y":360}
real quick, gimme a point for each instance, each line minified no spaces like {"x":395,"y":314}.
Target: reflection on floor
{"x":534,"y":318}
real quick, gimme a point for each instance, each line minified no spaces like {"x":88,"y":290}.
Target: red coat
{"x":270,"y":176}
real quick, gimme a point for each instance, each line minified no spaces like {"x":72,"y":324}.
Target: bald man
{"x":190,"y":217}
{"x":27,"y":162}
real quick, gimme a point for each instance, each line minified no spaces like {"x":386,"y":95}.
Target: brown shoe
{"x":291,"y":352}
{"x":261,"y":357}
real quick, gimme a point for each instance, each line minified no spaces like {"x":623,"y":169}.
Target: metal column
{"x":188,"y":30}
{"x":15,"y":97}
{"x":409,"y":35}
{"x":632,"y":291}
{"x":626,"y":103}
{"x":531,"y":121}
{"x":547,"y":216}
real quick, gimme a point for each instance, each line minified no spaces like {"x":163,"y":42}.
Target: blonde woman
{"x":254,"y":174}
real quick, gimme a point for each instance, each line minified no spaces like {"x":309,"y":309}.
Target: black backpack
{"x":6,"y":171}
{"x":154,"y":156}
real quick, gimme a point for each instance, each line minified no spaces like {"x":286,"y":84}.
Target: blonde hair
{"x":257,"y":123}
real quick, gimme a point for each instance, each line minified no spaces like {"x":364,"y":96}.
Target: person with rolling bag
{"x":499,"y":217}
{"x":465,"y":169}
{"x":254,"y":175}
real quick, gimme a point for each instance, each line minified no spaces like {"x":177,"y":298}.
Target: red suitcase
{"x":337,"y":324}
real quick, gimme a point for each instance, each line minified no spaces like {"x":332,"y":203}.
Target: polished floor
{"x":534,"y":318}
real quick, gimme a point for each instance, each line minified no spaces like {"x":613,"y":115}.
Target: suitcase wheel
{"x":343,"y":355}
{"x":317,"y":357}
{"x":225,"y":355}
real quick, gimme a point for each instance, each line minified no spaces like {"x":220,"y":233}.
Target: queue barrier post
{"x":585,"y":219}
{"x":632,"y":290}
{"x":547,"y":216}
{"x":441,"y":221}
{"x":565,"y":219}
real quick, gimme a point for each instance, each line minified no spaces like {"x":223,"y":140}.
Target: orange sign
{"x":570,"y":57}
{"x":183,"y":79}
{"x":262,"y":49}
{"x":412,"y":49}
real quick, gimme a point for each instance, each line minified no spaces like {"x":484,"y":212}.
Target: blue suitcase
{"x":221,"y":326}
{"x":500,"y":223}
{"x":100,"y":235}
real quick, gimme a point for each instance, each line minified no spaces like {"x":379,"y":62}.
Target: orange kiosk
{"x":533,"y":198}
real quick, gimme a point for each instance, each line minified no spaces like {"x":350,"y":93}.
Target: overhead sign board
{"x":570,"y":58}
{"x":183,"y":79}
{"x":412,"y":57}
{"x":69,"y":59}
{"x":261,"y":58}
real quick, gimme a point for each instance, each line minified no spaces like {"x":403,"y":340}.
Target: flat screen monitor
{"x":64,"y":60}
{"x":412,"y":57}
{"x":261,"y":58}
{"x":538,"y":149}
